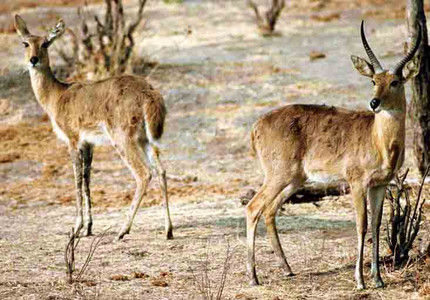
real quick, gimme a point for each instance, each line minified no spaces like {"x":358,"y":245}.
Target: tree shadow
{"x":334,"y":271}
{"x":284,"y":224}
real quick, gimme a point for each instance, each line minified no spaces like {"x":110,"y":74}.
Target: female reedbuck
{"x":321,"y":143}
{"x":125,"y":109}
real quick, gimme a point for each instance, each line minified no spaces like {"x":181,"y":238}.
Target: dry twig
{"x":404,"y":220}
{"x":205,"y":285}
{"x":69,"y":255}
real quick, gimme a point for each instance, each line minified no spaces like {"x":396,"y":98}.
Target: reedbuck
{"x":126,"y":110}
{"x":322,"y":143}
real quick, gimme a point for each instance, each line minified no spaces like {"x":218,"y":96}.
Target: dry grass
{"x":211,"y":287}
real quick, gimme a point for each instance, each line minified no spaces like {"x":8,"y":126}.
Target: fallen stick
{"x":313,"y":192}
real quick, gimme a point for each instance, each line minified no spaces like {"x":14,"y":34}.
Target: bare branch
{"x":94,"y":245}
{"x":268,"y":23}
{"x":402,"y":228}
{"x":105,"y":46}
{"x":69,"y":254}
{"x":258,"y":17}
{"x":419,"y":196}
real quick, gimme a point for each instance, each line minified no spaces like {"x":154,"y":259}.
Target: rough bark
{"x":420,"y":104}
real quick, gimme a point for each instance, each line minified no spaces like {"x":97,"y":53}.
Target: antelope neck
{"x":388,"y":132}
{"x":45,"y":85}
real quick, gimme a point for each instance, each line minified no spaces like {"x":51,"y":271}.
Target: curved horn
{"x":399,"y":67}
{"x":373,"y":60}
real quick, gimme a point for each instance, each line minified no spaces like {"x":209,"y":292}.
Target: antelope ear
{"x":362,"y":66}
{"x":411,"y":69}
{"x":21,"y":27}
{"x":55,"y":32}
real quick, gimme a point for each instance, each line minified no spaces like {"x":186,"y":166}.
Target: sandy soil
{"x":217,"y":76}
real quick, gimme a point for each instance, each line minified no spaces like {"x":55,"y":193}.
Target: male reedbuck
{"x":125,"y":109}
{"x":321,"y":143}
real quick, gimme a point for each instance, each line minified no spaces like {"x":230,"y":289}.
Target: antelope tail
{"x":155,"y":112}
{"x":253,"y":151}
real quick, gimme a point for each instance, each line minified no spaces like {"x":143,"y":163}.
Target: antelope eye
{"x":373,"y":82}
{"x":395,"y":83}
{"x":45,"y":45}
{"x":25,"y":44}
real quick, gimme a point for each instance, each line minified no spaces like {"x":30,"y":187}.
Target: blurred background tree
{"x":266,"y":22}
{"x":104,"y":46}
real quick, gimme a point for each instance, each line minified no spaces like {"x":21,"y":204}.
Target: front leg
{"x":87,"y":151}
{"x":76,"y":156}
{"x":359,"y":198}
{"x":376,"y":198}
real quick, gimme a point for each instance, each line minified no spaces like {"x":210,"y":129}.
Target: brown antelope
{"x":320,"y":143}
{"x":126,"y":110}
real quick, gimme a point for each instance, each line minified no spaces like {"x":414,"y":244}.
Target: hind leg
{"x":153,"y":158}
{"x":270,"y":220}
{"x":263,"y":199}
{"x":130,"y":152}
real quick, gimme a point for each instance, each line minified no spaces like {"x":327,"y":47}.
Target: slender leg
{"x":270,"y":219}
{"x":153,"y":157}
{"x":87,"y":151}
{"x":132,"y":157}
{"x":77,"y":167}
{"x":359,"y":198}
{"x":254,"y":209}
{"x":376,"y":198}
{"x":253,"y":214}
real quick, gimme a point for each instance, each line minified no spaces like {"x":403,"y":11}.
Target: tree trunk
{"x":420,"y":104}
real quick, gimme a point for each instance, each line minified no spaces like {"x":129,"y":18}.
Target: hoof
{"x":289,"y":274}
{"x":169,"y":235}
{"x":379,"y":284}
{"x":89,"y":229}
{"x":254,"y":282}
{"x":88,"y":233}
{"x":286,"y":270}
{"x":122,"y":234}
{"x":361,"y":287}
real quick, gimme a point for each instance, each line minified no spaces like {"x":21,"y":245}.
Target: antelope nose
{"x":34,"y":60}
{"x":374,"y":103}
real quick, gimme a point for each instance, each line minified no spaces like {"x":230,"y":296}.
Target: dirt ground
{"x":217,"y":76}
